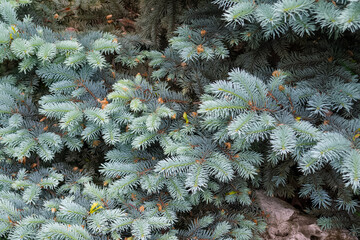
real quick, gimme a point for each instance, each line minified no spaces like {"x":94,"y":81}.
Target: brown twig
{"x":81,"y":83}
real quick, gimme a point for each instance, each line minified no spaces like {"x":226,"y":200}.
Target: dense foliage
{"x":165,"y":123}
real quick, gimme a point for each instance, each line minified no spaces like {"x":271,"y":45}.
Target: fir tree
{"x":244,"y":95}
